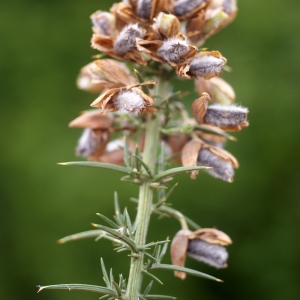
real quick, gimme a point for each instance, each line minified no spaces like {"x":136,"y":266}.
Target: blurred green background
{"x":43,"y":45}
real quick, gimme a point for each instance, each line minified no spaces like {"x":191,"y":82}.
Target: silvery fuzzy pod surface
{"x":225,"y":115}
{"x":125,"y":41}
{"x":173,"y":49}
{"x":182,"y":7}
{"x":221,"y":168}
{"x":87,"y":145}
{"x":211,"y":254}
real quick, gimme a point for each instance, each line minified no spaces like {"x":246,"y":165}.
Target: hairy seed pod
{"x":211,"y":254}
{"x":144,"y":8}
{"x":183,"y":7}
{"x":221,"y":168}
{"x":129,"y":102}
{"x":88,"y":143}
{"x":206,"y":66}
{"x":125,"y":41}
{"x":225,"y":115}
{"x":173,"y":49}
{"x":103,"y":22}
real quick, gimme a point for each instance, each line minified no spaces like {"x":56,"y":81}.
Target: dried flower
{"x":130,"y":100}
{"x":212,"y":139}
{"x":204,"y":245}
{"x":95,"y":135}
{"x":104,"y":22}
{"x":221,"y":162}
{"x":218,"y":89}
{"x":105,"y":73}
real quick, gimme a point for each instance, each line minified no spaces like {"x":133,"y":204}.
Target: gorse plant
{"x":140,"y":126}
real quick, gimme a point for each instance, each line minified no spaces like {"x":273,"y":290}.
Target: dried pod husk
{"x":212,"y":139}
{"x":189,"y":155}
{"x":175,"y":143}
{"x":131,"y":100}
{"x":114,"y":152}
{"x":204,"y":245}
{"x":93,"y":119}
{"x":110,"y":73}
{"x":178,"y":250}
{"x":104,"y":22}
{"x":166,"y":25}
{"x":217,"y":16}
{"x":193,"y":27}
{"x":218,"y":89}
{"x":185,"y":9}
{"x":86,"y":82}
{"x":199,"y":107}
{"x":212,"y":236}
{"x":206,"y":64}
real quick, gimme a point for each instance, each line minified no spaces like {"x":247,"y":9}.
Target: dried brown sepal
{"x":210,"y":64}
{"x":189,"y":155}
{"x":111,"y":73}
{"x":106,"y":101}
{"x":189,"y":14}
{"x":86,"y":82}
{"x":236,"y":128}
{"x":194,"y":27}
{"x":199,"y":107}
{"x":105,"y":44}
{"x":212,"y":139}
{"x":212,"y":236}
{"x":176,"y":142}
{"x":178,"y":250}
{"x":218,"y":89}
{"x":93,"y":120}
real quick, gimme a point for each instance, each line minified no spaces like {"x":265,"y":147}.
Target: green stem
{"x":145,"y":196}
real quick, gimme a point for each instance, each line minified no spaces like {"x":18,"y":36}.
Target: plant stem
{"x":145,"y":195}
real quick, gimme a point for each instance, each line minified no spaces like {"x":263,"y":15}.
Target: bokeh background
{"x":43,"y":45}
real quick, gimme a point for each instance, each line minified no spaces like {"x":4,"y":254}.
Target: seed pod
{"x":104,"y":22}
{"x":220,"y":168}
{"x":144,"y":8}
{"x":207,"y":65}
{"x":184,"y":9}
{"x":92,"y":142}
{"x":221,"y":162}
{"x":125,"y":41}
{"x":205,"y":244}
{"x":173,"y":49}
{"x":226,"y":116}
{"x":204,"y":64}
